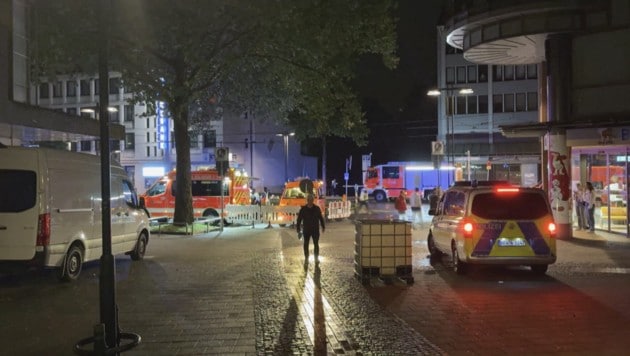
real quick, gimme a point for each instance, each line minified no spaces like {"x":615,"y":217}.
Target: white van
{"x":50,"y":210}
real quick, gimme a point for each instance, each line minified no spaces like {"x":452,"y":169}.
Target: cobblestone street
{"x":247,"y":291}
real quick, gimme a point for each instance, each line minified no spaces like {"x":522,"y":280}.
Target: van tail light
{"x":43,"y":230}
{"x":551,"y":227}
{"x":468,"y":229}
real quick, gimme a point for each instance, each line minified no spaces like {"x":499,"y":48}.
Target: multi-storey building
{"x":469,"y":124}
{"x":581,"y":52}
{"x":148,"y":149}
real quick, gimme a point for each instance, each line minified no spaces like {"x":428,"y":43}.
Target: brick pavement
{"x":246,"y":292}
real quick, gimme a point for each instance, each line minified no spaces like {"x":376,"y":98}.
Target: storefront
{"x":606,"y":167}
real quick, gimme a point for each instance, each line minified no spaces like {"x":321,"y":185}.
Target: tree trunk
{"x":183,"y":198}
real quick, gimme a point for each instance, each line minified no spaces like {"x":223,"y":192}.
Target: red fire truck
{"x":385,"y":181}
{"x":206,"y":193}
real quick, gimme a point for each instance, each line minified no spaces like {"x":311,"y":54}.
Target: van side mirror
{"x":141,"y":203}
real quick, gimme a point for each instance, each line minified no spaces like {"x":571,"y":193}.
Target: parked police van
{"x":50,"y":210}
{"x":493,"y":222}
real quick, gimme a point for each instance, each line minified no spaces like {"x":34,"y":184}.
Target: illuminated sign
{"x":163,"y":129}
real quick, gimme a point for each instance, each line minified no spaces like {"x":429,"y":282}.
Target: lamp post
{"x":451,"y":93}
{"x":285,"y":137}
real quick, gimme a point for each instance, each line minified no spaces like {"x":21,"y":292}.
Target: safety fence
{"x":280,"y":215}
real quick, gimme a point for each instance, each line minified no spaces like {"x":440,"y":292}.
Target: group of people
{"x":585,"y":206}
{"x":416,"y":206}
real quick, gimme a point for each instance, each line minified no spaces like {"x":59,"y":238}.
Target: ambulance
{"x":295,"y":192}
{"x":159,"y":199}
{"x":493,"y":222}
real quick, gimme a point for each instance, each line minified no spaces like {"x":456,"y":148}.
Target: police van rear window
{"x":17,"y":190}
{"x":520,"y":206}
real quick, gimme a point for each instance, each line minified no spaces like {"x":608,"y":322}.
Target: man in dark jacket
{"x":311,"y":215}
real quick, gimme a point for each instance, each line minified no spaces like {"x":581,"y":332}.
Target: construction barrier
{"x":339,"y":209}
{"x":279,"y":215}
{"x":244,"y":214}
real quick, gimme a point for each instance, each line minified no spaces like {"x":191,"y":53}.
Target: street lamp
{"x":285,"y":137}
{"x":451,"y":94}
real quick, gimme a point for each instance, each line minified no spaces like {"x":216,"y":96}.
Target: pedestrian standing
{"x":578,"y":197}
{"x":401,"y":205}
{"x":416,"y":208}
{"x":589,"y":206}
{"x":310,"y":217}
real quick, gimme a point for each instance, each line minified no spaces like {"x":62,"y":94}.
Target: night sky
{"x":401,"y":118}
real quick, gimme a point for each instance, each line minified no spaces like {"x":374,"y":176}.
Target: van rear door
{"x":19,"y":212}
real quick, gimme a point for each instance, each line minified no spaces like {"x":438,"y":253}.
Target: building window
{"x":114,"y":117}
{"x":114,"y":145}
{"x":520,"y":72}
{"x":148,"y":151}
{"x":520,"y":101}
{"x":532,"y":71}
{"x":472,"y":74}
{"x":497,"y":73}
{"x":130,"y":141}
{"x":86,"y":146}
{"x":97,"y":87}
{"x":461,"y":74}
{"x":84,"y":87}
{"x":148,"y":137}
{"x":508,"y":72}
{"x":483,"y":73}
{"x":154,"y":151}
{"x":450,"y":75}
{"x":57,"y":89}
{"x":71,"y":88}
{"x":472,"y":104}
{"x":88,"y":112}
{"x":497,"y":103}
{"x":532,"y":101}
{"x":194,"y":139}
{"x":71,"y":111}
{"x":114,"y":85}
{"x":483,"y":104}
{"x":155,"y":137}
{"x":461,"y":105}
{"x":210,"y":139}
{"x":73,"y":146}
{"x":129,"y":113}
{"x":508,"y":103}
{"x":148,"y":123}
{"x":43,"y":91}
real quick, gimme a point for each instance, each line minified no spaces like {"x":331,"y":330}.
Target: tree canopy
{"x":288,"y":61}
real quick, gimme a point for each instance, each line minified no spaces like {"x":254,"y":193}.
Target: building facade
{"x":580,"y":48}
{"x":469,"y":124}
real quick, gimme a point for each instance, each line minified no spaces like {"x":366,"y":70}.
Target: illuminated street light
{"x":285,"y":137}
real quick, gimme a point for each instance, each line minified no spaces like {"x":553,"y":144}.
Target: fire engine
{"x":385,"y":181}
{"x":206,"y":192}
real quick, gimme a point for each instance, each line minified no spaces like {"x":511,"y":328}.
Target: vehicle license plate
{"x":503,"y":242}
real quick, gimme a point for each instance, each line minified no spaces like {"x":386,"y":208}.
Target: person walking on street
{"x":416,"y":208}
{"x":589,"y":206}
{"x":363,"y":201}
{"x":401,"y":205}
{"x":310,"y":217}
{"x":578,"y":197}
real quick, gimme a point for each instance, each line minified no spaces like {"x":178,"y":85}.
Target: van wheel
{"x":141,"y":247}
{"x":380,"y":196}
{"x":539,"y":269}
{"x":71,"y":266}
{"x":458,"y":266}
{"x":435,"y":253}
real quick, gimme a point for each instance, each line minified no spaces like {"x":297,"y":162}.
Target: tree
{"x":288,"y":61}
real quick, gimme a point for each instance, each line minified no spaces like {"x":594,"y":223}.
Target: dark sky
{"x":401,"y":118}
